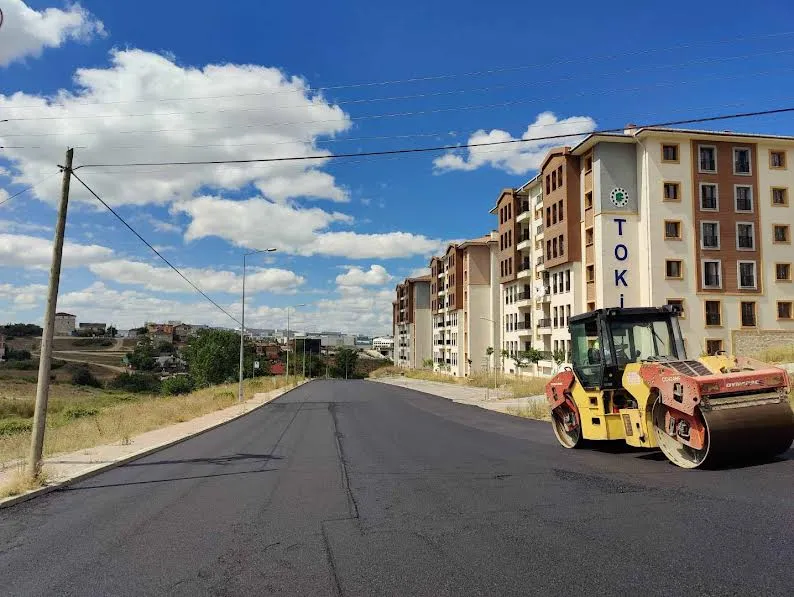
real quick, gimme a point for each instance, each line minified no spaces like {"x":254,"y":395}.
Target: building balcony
{"x":525,"y":215}
{"x":525,"y":243}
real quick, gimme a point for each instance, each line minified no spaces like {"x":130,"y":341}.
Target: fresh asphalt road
{"x":357,"y":488}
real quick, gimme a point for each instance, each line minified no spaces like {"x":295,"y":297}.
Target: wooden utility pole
{"x":45,"y":353}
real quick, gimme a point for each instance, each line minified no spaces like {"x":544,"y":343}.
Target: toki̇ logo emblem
{"x":619,"y":197}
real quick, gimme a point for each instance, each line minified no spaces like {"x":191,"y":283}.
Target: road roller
{"x":630,"y":379}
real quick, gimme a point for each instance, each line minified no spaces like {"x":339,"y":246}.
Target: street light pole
{"x":293,"y":307}
{"x":242,"y":323}
{"x":493,"y":339}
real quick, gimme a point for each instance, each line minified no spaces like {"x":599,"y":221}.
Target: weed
{"x":533,"y":410}
{"x":20,"y":483}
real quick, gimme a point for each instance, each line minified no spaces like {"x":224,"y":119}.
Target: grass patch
{"x":81,"y":417}
{"x":517,"y":386}
{"x":777,"y":354}
{"x":20,"y":483}
{"x":533,"y":410}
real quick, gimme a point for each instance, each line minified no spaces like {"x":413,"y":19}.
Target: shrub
{"x":80,"y":412}
{"x":13,"y":426}
{"x":82,"y":376}
{"x":13,"y":354}
{"x":135,"y":382}
{"x":92,"y":342}
{"x":10,"y":407}
{"x":29,"y":365}
{"x":179,"y":384}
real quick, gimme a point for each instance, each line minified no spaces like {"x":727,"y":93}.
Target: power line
{"x":430,"y":94}
{"x":448,"y":76}
{"x":443,"y":147}
{"x":156,"y":252}
{"x":29,"y":188}
{"x":258,"y":125}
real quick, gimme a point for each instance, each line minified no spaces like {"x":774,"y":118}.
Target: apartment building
{"x":411,"y":323}
{"x":701,"y":219}
{"x":465,"y":306}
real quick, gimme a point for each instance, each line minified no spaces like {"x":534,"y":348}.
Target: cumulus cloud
{"x":518,"y":157}
{"x":27,"y":32}
{"x":31,"y":251}
{"x":23,"y":297}
{"x":209,"y":280}
{"x":356,"y":276}
{"x":419,"y":272}
{"x":258,"y":223}
{"x":235,"y":112}
{"x":14,"y":226}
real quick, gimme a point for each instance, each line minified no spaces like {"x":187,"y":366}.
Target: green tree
{"x":165,"y":347}
{"x":345,"y":363}
{"x":112,"y":332}
{"x":142,"y":357}
{"x":213,"y":357}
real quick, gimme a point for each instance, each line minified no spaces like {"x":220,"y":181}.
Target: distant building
{"x":269,"y":350}
{"x":2,"y":348}
{"x":92,"y":329}
{"x":384,"y":345}
{"x":182,"y":332}
{"x":169,"y":363}
{"x":158,"y":337}
{"x":336,"y":340}
{"x":65,"y":324}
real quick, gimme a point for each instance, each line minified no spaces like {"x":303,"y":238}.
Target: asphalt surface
{"x":358,"y":488}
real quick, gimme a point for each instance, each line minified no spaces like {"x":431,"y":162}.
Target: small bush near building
{"x":82,"y":376}
{"x":179,"y":384}
{"x":135,"y":382}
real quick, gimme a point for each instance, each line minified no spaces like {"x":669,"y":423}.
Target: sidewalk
{"x":500,"y":401}
{"x":71,"y":466}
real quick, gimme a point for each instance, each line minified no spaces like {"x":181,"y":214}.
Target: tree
{"x":165,"y":347}
{"x":345,"y":363}
{"x":523,"y":359}
{"x":112,"y":332}
{"x":559,"y":356}
{"x":20,"y":330}
{"x":213,"y":357}
{"x":142,"y":357}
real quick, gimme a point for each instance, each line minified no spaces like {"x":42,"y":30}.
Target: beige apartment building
{"x":464,"y":303}
{"x":411,"y":323}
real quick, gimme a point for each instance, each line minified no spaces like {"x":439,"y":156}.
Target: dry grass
{"x":533,"y":410}
{"x":106,"y":417}
{"x":777,"y":354}
{"x":20,"y":483}
{"x":517,"y":386}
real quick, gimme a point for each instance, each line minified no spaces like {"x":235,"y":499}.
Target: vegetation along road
{"x":358,"y":488}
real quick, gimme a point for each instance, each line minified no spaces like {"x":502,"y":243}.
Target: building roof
{"x":65,"y":314}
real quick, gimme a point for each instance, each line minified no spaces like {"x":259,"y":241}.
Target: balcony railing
{"x":524,"y":296}
{"x":524,"y":266}
{"x":544,"y":323}
{"x":523,"y":208}
{"x":523,"y":325}
{"x":539,"y":260}
{"x":746,"y":242}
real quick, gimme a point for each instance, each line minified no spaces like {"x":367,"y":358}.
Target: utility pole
{"x":45,"y":354}
{"x":304,"y":357}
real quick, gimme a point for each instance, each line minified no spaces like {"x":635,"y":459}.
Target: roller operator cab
{"x":631,"y":380}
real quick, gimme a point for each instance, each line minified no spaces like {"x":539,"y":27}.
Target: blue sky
{"x":151,"y":81}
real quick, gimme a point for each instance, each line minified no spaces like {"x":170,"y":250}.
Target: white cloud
{"x":163,"y":226}
{"x":31,"y":251}
{"x":209,"y":280}
{"x":27,"y":32}
{"x":419,"y":272}
{"x":14,"y":226}
{"x":355,"y":276}
{"x":263,"y":114}
{"x":24,"y":297}
{"x":258,"y":223}
{"x":518,"y":157}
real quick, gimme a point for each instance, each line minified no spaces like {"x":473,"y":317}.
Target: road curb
{"x":17,"y":499}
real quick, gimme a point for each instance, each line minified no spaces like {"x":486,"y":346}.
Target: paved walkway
{"x":62,"y":467}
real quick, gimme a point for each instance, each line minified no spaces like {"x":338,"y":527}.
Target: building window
{"x":672,"y":191}
{"x":548,"y":184}
{"x":714,"y":347}
{"x":670,"y":152}
{"x":567,"y":280}
{"x":710,"y":235}
{"x":782,"y":233}
{"x":784,"y":310}
{"x":744,"y":198}
{"x":713,"y":313}
{"x":707,"y":158}
{"x":590,"y":274}
{"x":588,"y":200}
{"x":567,"y":313}
{"x":548,"y":249}
{"x":554,"y":181}
{"x":680,"y":304}
{"x":709,"y":199}
{"x":562,"y":245}
{"x":591,"y":306}
{"x":559,"y":176}
{"x":548,"y":217}
{"x":510,"y":266}
{"x":559,"y":210}
{"x":554,"y":214}
{"x":554,"y":247}
{"x":741,"y":160}
{"x":554,"y":284}
{"x":746,"y":271}
{"x":745,"y":235}
{"x":777,"y":160}
{"x":747,"y":309}
{"x":783,"y":272}
{"x":588,"y":164}
{"x":779,"y":196}
{"x":712,"y":274}
{"x":672,"y":230}
{"x":588,"y":237}
{"x":673,"y":269}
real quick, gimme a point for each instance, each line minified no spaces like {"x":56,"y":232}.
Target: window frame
{"x":706,"y":317}
{"x":752,"y":227}
{"x":716,"y":165}
{"x":682,"y":314}
{"x":588,"y":163}
{"x":680,"y":225}
{"x":739,"y":264}
{"x":788,"y":234}
{"x":790,"y":310}
{"x":589,"y":268}
{"x":588,"y":200}
{"x":772,"y":196}
{"x":789,"y":271}
{"x":675,"y":184}
{"x":716,"y":196}
{"x":591,"y":230}
{"x":785,"y":159}
{"x":736,"y":199}
{"x":680,"y":269}
{"x":677,"y":159}
{"x":720,"y":340}
{"x":755,"y":315}
{"x":703,"y":236}
{"x":703,"y":284}
{"x":749,"y":160}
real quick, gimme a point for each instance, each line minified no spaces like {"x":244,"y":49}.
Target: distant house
{"x":65,"y":324}
{"x":158,"y":337}
{"x":92,"y":329}
{"x":270,"y":350}
{"x":2,"y":348}
{"x":169,"y":363}
{"x":182,"y":332}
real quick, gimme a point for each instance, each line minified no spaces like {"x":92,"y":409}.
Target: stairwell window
{"x":741,"y":161}
{"x":670,"y":153}
{"x":746,"y":275}
{"x":673,"y":269}
{"x":784,"y":310}
{"x":710,"y":235}
{"x":712,"y":274}
{"x":782,"y":233}
{"x":672,"y":230}
{"x":745,"y":236}
{"x":744,"y":198}
{"x":680,"y":304}
{"x":779,"y":196}
{"x":672,"y":191}
{"x":747,"y":309}
{"x":590,"y":274}
{"x":783,"y":272}
{"x":777,"y":160}
{"x":713,"y":313}
{"x":707,"y":158}
{"x":713,"y":347}
{"x":709,"y":198}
